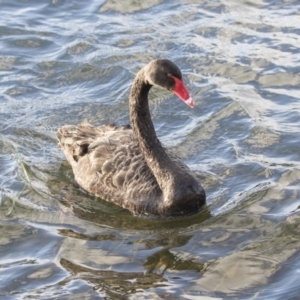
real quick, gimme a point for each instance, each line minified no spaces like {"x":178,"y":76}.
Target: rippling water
{"x":63,"y":61}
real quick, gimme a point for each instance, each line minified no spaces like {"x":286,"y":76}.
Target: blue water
{"x":64,"y":61}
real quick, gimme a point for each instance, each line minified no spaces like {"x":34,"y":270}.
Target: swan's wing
{"x":106,"y":161}
{"x":77,"y":141}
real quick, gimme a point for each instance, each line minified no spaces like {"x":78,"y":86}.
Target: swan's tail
{"x":74,"y":140}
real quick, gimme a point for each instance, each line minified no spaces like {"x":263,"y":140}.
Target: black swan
{"x":130,"y":167}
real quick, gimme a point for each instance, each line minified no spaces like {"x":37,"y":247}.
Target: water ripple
{"x":61,"y":62}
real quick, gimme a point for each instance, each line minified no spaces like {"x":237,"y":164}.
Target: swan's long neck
{"x":161,"y":165}
{"x":181,"y":190}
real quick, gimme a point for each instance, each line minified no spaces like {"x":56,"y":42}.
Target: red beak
{"x":181,"y":91}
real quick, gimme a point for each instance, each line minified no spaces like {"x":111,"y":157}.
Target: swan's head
{"x":166,"y":74}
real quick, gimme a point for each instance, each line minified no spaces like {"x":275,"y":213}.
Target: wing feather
{"x":107,"y":162}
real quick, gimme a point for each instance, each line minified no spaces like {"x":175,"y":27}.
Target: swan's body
{"x":130,"y":167}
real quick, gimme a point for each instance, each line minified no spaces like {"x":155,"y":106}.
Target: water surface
{"x":64,"y":61}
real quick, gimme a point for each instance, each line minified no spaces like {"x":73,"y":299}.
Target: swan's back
{"x":107,"y":162}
